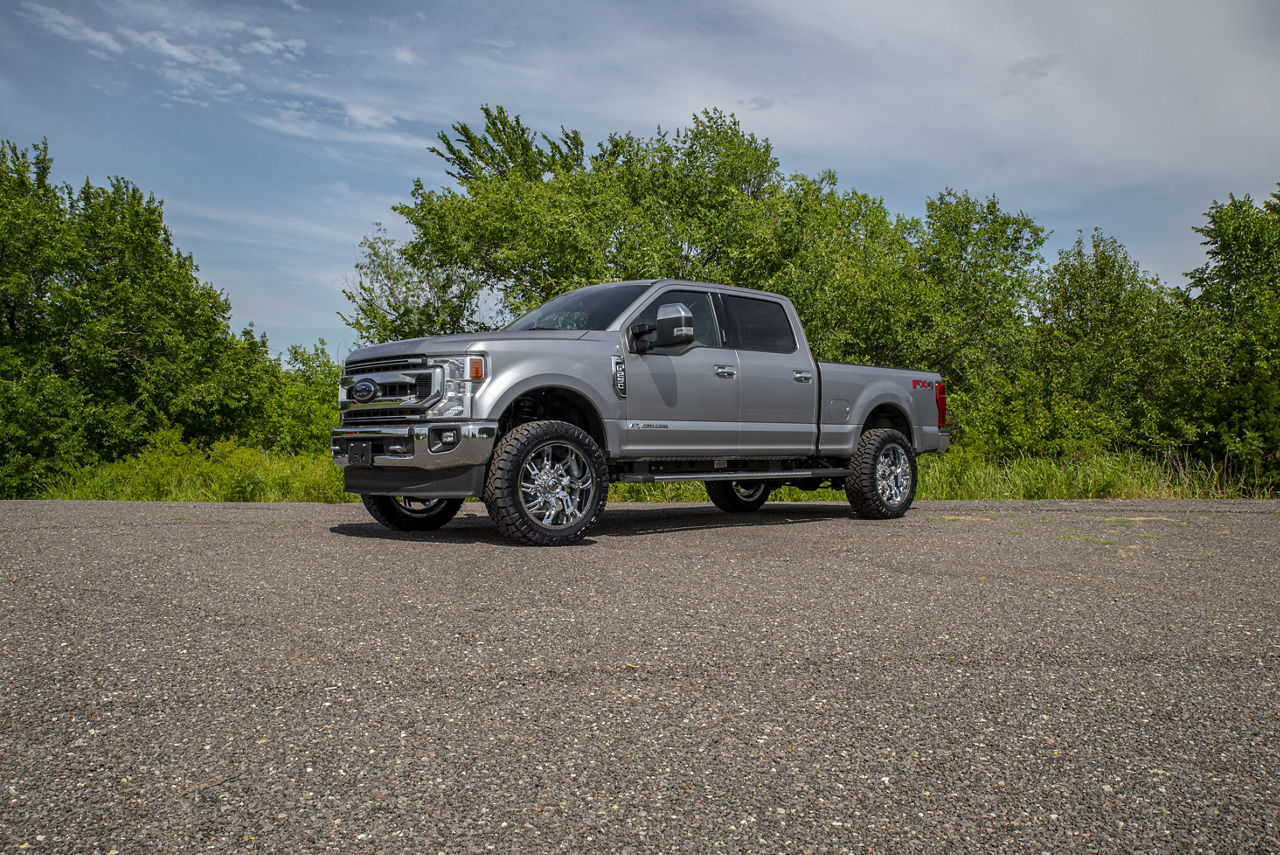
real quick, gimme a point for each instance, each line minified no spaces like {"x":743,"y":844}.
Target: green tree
{"x":402,"y":294}
{"x":34,"y":241}
{"x":982,"y":268}
{"x":846,"y":262}
{"x":694,"y":204}
{"x":302,"y":405}
{"x":984,"y":264}
{"x":1106,"y":352}
{"x":1235,"y":299}
{"x":107,"y":333}
{"x":506,"y":147}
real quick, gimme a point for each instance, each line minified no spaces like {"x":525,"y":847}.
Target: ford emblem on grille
{"x":364,"y":391}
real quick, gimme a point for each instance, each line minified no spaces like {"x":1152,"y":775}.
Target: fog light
{"x":442,"y":439}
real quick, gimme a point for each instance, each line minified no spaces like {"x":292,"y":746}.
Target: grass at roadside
{"x":229,"y":472}
{"x":225,"y":472}
{"x":1108,"y":475}
{"x":957,"y":475}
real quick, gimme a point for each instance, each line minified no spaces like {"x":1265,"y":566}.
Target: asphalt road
{"x":979,"y":676}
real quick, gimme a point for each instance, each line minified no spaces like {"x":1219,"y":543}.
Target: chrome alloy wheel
{"x":557,"y":485}
{"x":749,"y":491}
{"x":893,"y":475}
{"x":417,"y":507}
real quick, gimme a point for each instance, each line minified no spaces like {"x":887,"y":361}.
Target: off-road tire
{"x":409,"y":514}
{"x":738,"y":497}
{"x":547,"y":483}
{"x":883,"y":483}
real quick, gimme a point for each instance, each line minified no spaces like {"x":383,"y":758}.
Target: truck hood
{"x":461,"y":343}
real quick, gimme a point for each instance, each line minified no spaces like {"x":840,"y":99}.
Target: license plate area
{"x":360,"y":453}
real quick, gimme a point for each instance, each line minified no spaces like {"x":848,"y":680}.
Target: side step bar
{"x":721,"y":475}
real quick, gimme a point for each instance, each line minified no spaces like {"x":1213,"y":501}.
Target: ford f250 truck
{"x":627,"y":381}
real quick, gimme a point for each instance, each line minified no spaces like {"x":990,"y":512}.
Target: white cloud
{"x":201,"y":55}
{"x":368,"y":117}
{"x":61,"y":24}
{"x":190,"y":20}
{"x":194,"y":86}
{"x":305,"y":125}
{"x":159,"y":43}
{"x":267,"y":43}
{"x":276,"y":228}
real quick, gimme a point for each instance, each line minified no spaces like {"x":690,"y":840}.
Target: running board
{"x":749,"y":475}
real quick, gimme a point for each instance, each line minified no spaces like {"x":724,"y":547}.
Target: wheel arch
{"x":889,"y":415}
{"x":561,"y":403}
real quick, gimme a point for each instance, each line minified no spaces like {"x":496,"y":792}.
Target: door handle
{"x":802,"y":376}
{"x":726,"y":371}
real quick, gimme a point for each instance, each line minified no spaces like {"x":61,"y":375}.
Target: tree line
{"x":107,"y":336}
{"x":109,"y":340}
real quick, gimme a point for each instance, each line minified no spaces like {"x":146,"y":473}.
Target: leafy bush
{"x":169,"y":469}
{"x":962,"y":474}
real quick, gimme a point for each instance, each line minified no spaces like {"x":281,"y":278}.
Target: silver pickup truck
{"x":627,"y":381}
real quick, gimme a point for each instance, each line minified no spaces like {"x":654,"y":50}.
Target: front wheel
{"x":547,"y":483}
{"x":409,"y":514}
{"x":737,"y":497}
{"x":883,"y":483}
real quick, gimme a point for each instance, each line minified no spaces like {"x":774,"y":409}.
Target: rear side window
{"x":758,"y":325}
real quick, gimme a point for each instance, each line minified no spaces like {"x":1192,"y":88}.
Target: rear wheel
{"x":738,"y":497}
{"x":883,"y":483}
{"x":409,"y":514}
{"x":547,"y":483}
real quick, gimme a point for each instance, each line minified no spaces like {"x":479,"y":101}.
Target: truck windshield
{"x":592,"y":308}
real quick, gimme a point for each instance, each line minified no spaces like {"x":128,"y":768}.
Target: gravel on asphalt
{"x":1093,"y":676}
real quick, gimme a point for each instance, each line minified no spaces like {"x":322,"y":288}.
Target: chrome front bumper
{"x":424,"y":446}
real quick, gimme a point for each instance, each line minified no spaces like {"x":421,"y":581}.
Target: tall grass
{"x":960,"y":475}
{"x":1107,"y":475}
{"x":227,"y":471}
{"x":169,"y":470}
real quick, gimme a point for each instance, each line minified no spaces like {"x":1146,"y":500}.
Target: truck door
{"x":777,"y":378}
{"x":682,"y":401}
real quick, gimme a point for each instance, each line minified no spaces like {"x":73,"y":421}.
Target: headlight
{"x":457,"y":378}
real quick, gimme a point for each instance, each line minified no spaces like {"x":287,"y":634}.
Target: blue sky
{"x":277,"y":133}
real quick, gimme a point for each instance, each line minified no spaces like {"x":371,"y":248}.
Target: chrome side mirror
{"x":674,"y":325}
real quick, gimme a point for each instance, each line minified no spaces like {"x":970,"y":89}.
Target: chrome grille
{"x":405,"y":389}
{"x":420,"y":388}
{"x":386,"y":363}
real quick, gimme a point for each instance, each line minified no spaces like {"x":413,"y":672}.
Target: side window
{"x":758,"y":325}
{"x":705,"y":332}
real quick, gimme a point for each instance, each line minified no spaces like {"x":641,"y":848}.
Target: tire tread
{"x":383,"y":509}
{"x":860,"y":487}
{"x":723,"y":497}
{"x":503,"y":504}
